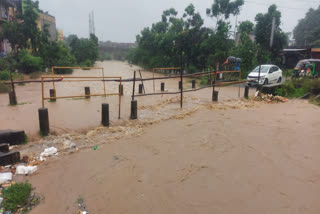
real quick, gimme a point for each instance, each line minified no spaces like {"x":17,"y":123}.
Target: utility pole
{"x":92,"y":29}
{"x":235,"y":29}
{"x":272,"y":31}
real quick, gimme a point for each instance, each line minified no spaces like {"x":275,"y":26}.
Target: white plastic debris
{"x":25,"y":170}
{"x":5,"y":177}
{"x":49,"y":151}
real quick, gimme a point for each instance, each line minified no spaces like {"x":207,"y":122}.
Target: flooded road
{"x":80,"y":115}
{"x":233,"y":156}
{"x":240,"y":159}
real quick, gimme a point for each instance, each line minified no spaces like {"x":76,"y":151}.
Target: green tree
{"x":245,"y":27}
{"x":85,"y":51}
{"x":308,"y":29}
{"x":247,"y":51}
{"x":222,"y":9}
{"x":263,"y":32}
{"x":29,"y":27}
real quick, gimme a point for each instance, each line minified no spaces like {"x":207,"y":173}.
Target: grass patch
{"x":20,"y":104}
{"x":78,"y":98}
{"x":16,"y":196}
{"x":26,"y":139}
{"x":297,"y":88}
{"x":80,"y":200}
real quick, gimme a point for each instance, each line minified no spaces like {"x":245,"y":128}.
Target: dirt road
{"x":248,"y":160}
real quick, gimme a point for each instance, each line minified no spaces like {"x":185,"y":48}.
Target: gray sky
{"x":122,"y":20}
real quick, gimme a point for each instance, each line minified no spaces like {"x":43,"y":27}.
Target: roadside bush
{"x":87,"y":63}
{"x":192,"y":69}
{"x":16,"y":196}
{"x":3,"y":65}
{"x":203,"y":80}
{"x":35,"y":75}
{"x":57,"y":54}
{"x":4,"y":75}
{"x":28,"y":63}
{"x":298,"y":87}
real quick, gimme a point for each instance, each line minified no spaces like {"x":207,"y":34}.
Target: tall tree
{"x":222,"y":9}
{"x":308,"y":29}
{"x":263,"y":32}
{"x":29,"y":26}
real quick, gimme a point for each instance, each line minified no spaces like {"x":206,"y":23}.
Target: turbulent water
{"x":81,"y":115}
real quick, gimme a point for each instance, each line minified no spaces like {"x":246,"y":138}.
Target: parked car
{"x":307,"y":67}
{"x":268,"y":74}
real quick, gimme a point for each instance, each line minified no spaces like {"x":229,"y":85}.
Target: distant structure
{"x":92,"y":29}
{"x":60,"y":35}
{"x":50,"y":21}
{"x":9,"y":10}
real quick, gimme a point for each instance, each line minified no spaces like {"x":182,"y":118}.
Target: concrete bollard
{"x":215,"y":95}
{"x":134,"y":110}
{"x":121,"y":90}
{"x":12,"y":98}
{"x":87,"y":92}
{"x":180,"y":85}
{"x":52,"y":94}
{"x":162,"y":86}
{"x":105,"y":114}
{"x":209,"y":81}
{"x":44,"y":121}
{"x":140,"y":88}
{"x":246,"y":92}
{"x":193,"y":84}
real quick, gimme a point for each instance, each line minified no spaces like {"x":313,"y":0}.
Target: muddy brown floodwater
{"x":234,"y":156}
{"x":81,"y":115}
{"x":240,"y":160}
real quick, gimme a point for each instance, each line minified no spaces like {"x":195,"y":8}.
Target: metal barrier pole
{"x":154,"y":89}
{"x":120,"y":99}
{"x":181,"y":101}
{"x":104,"y":82}
{"x":239,"y":82}
{"x":134,"y":84}
{"x":42,"y":92}
{"x":53,"y":85}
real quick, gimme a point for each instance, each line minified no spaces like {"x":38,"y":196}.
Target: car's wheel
{"x":279,"y":80}
{"x":266,"y":82}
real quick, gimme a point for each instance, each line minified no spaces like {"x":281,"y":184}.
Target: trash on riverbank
{"x":269,"y":98}
{"x":48,"y":152}
{"x":5,"y":177}
{"x":26,"y":170}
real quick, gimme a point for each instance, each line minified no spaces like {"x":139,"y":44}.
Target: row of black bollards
{"x":105,"y":119}
{"x":44,"y":116}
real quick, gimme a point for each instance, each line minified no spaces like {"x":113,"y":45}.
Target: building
{"x":9,"y":9}
{"x":60,"y":35}
{"x":315,"y":52}
{"x":290,"y":57}
{"x":50,"y":21}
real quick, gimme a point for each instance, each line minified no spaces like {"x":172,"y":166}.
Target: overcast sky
{"x":122,"y":20}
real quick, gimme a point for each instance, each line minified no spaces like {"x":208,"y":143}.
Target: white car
{"x":268,"y":74}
